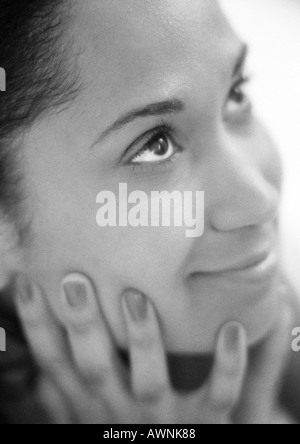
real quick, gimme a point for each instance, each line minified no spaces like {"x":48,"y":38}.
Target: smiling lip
{"x":255,"y":269}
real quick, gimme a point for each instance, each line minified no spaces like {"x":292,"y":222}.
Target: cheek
{"x":151,"y":260}
{"x":66,"y":238}
{"x":145,"y":258}
{"x":267,"y":156}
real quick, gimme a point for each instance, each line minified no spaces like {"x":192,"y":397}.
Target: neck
{"x":189,"y":372}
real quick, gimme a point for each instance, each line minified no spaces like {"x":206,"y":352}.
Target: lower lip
{"x":258,"y":273}
{"x":262,"y":271}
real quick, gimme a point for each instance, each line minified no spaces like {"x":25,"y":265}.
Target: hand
{"x":83,"y":372}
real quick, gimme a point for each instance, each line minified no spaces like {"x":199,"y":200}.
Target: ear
{"x":10,"y":251}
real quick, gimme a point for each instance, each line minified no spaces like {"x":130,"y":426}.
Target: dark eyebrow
{"x":153,"y":109}
{"x":162,"y":108}
{"x":241,"y":59}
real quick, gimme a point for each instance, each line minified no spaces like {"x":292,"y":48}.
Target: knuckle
{"x":224,"y":400}
{"x":143,"y":341}
{"x":31,"y":322}
{"x":233,"y":371}
{"x":52,"y":363}
{"x":96,"y":377}
{"x":154,"y":394}
{"x":80,"y":325}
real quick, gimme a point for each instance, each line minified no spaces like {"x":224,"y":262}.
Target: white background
{"x":272,"y":27}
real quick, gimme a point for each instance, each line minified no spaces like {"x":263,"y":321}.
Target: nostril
{"x":241,"y":210}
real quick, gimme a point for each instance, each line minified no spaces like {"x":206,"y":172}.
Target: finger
{"x":54,"y":402}
{"x":226,"y":381}
{"x":44,"y":334}
{"x":92,"y":347}
{"x":266,"y":372}
{"x":48,"y":344}
{"x":149,"y":371}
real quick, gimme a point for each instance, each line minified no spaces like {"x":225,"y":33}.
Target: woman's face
{"x":182,"y":56}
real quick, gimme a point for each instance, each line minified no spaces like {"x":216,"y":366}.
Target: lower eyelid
{"x":164,"y":165}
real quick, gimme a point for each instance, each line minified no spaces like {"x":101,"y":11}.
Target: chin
{"x":256,"y":307}
{"x":262,"y":323}
{"x":260,"y":318}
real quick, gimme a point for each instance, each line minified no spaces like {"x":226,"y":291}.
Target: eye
{"x":160,"y":148}
{"x":238,"y":100}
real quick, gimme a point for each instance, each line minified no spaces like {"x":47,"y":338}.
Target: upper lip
{"x":240,"y":266}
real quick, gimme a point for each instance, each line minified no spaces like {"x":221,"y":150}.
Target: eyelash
{"x":163,"y":165}
{"x":167,"y":129}
{"x":242,"y":81}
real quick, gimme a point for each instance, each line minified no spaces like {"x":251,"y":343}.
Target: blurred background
{"x":272,"y":28}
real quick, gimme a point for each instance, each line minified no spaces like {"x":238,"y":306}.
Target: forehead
{"x":132,"y":47}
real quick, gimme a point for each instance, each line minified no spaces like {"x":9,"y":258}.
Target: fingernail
{"x":136,"y":304}
{"x":232,"y":337}
{"x":75,"y":293}
{"x":25,"y":289}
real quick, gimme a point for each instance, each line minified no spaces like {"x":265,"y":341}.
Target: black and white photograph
{"x":149,"y":214}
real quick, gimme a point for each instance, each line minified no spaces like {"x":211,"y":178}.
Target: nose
{"x":243,"y":195}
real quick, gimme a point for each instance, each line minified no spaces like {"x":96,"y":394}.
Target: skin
{"x":132,"y":54}
{"x":84,"y":381}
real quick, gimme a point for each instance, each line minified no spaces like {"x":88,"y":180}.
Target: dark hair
{"x":34,"y":56}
